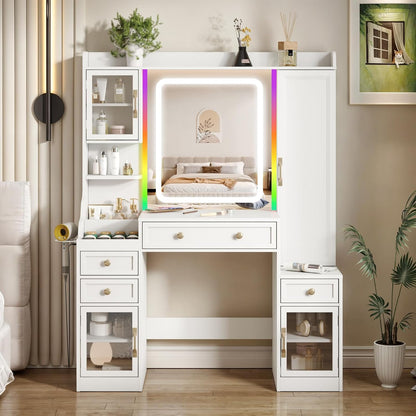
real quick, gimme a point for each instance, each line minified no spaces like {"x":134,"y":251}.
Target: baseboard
{"x":174,"y":356}
{"x":363,"y":357}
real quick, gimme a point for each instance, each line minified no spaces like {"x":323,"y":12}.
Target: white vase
{"x":134,"y":55}
{"x":389,"y":361}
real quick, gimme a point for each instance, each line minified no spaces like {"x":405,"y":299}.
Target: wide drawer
{"x":232,"y":235}
{"x":110,"y":263}
{"x":309,"y":290}
{"x":109,"y":290}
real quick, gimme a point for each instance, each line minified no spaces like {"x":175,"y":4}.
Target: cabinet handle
{"x":279,"y":171}
{"x":107,"y":291}
{"x":179,"y":236}
{"x":135,"y":103}
{"x":107,"y":263}
{"x":310,"y":291}
{"x":239,"y":236}
{"x":134,"y":352}
{"x":283,"y":340}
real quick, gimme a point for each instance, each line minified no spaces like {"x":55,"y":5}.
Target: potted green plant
{"x":389,"y":351}
{"x":134,"y":37}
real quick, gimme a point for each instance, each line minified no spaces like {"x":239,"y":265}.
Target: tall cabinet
{"x":309,"y":306}
{"x":110,"y":284}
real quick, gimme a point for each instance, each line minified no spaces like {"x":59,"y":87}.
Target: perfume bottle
{"x":119,"y":91}
{"x":127,"y":169}
{"x":101,"y":124}
{"x":134,"y":213}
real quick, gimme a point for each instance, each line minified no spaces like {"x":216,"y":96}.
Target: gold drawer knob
{"x":107,"y":291}
{"x":239,"y":236}
{"x":310,"y":291}
{"x":179,"y":236}
{"x":107,"y":263}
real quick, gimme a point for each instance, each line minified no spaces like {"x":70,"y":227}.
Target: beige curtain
{"x":53,"y":169}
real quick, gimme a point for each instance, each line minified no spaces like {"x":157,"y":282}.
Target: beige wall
{"x":376,"y":167}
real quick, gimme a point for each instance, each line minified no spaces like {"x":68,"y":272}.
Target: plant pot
{"x":389,"y":363}
{"x":134,"y":55}
{"x":242,"y":58}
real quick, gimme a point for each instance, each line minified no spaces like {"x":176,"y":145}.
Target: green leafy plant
{"x":402,"y":277}
{"x":134,"y":30}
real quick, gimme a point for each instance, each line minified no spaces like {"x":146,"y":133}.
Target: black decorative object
{"x":48,"y":107}
{"x":242,"y":58}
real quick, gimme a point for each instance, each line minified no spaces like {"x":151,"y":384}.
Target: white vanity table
{"x":111,"y":274}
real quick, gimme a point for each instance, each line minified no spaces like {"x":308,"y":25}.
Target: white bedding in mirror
{"x":210,"y":184}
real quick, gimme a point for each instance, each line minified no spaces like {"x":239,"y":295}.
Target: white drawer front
{"x":199,"y":235}
{"x":309,"y":290}
{"x":109,"y":290}
{"x":110,"y":263}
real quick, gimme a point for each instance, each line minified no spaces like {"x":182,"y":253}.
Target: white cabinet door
{"x":306,"y":146}
{"x":121,"y":110}
{"x":309,"y":341}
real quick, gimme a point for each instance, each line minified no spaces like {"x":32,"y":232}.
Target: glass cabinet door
{"x":109,"y":341}
{"x":309,"y":341}
{"x":112,"y":104}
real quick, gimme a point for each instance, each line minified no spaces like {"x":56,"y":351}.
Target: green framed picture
{"x":382,"y":52}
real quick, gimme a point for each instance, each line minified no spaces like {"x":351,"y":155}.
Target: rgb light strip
{"x":144,"y":144}
{"x":274,"y":139}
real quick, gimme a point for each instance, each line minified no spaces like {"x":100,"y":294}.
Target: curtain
{"x":399,"y":41}
{"x":53,"y":169}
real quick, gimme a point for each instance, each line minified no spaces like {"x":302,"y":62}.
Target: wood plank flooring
{"x":44,"y":392}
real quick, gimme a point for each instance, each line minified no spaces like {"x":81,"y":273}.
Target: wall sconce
{"x":48,"y":107}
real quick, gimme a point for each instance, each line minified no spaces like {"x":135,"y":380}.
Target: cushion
{"x":211,"y":169}
{"x":14,"y":213}
{"x":1,"y":310}
{"x":15,"y":274}
{"x":238,"y":165}
{"x":193,"y":169}
{"x":180,"y":166}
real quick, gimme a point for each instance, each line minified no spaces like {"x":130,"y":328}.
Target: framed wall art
{"x":382,"y":51}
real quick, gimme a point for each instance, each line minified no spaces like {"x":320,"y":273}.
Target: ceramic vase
{"x":389,"y":361}
{"x":134,"y":56}
{"x":242,"y":58}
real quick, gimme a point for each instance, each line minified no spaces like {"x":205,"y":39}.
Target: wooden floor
{"x":205,"y":393}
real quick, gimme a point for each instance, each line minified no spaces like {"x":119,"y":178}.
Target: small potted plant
{"x":134,"y":37}
{"x":243,"y":39}
{"x":389,"y":351}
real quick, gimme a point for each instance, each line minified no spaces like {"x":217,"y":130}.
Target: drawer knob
{"x":179,"y":236}
{"x":107,"y":263}
{"x":310,"y":291}
{"x":239,"y":236}
{"x":107,"y":291}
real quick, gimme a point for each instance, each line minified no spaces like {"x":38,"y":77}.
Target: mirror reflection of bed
{"x":209,"y":177}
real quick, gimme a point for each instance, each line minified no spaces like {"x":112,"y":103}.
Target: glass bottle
{"x":101,"y":124}
{"x":95,"y":96}
{"x":134,"y":213}
{"x":119,"y":91}
{"x":127,"y":169}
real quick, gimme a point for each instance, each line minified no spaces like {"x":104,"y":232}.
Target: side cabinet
{"x":310,"y":331}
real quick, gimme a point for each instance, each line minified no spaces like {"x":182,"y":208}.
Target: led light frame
{"x":159,"y":133}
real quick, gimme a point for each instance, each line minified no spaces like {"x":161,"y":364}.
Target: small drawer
{"x":109,"y":290}
{"x":109,"y":263}
{"x":309,"y":290}
{"x":211,"y":236}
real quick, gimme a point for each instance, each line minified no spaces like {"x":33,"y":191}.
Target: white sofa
{"x":5,"y":337}
{"x":15,"y":268}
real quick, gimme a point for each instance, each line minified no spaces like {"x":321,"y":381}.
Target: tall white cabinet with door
{"x":110,"y":284}
{"x":309,"y":306}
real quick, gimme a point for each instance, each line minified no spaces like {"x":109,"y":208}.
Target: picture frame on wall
{"x":383,"y":52}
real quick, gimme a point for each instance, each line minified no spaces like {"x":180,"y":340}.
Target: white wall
{"x":376,"y":145}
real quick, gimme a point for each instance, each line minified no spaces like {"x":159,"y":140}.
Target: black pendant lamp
{"x":48,"y":107}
